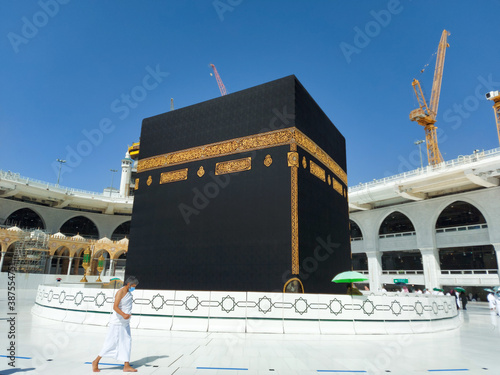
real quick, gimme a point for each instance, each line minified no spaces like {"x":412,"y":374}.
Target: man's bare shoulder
{"x":121,"y":292}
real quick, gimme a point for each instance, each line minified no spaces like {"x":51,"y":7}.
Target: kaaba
{"x":245,"y":192}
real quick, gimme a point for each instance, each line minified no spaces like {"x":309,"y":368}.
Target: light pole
{"x":418,"y":143}
{"x":112,"y":174}
{"x":61,"y":162}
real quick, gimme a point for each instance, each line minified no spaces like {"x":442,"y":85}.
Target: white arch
{"x":408,"y":216}
{"x":77,"y":215}
{"x":359,"y":226}
{"x":439,"y":209}
{"x":125,"y":221}
{"x":37,"y":212}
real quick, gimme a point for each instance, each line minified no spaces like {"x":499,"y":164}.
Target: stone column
{"x":1,"y":260}
{"x":49,"y":264}
{"x":374,"y":270}
{"x":112,"y":267}
{"x":496,"y":246}
{"x":69,"y":265}
{"x":105,"y":263}
{"x":57,"y":265}
{"x":432,"y":269}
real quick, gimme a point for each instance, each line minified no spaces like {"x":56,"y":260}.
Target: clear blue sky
{"x":61,"y":73}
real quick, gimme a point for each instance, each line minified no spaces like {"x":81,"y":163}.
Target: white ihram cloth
{"x":118,"y":342}
{"x":492,"y":301}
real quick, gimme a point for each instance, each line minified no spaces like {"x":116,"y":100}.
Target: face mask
{"x":131,"y":289}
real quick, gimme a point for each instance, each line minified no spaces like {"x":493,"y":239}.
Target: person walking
{"x":491,"y":301}
{"x":118,"y":341}
{"x":463,"y":298}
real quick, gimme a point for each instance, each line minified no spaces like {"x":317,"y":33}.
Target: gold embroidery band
{"x":173,"y":176}
{"x":233,"y":166}
{"x":275,"y":138}
{"x":317,"y":171}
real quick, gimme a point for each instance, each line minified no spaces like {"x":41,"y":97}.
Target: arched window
{"x":402,"y":260}
{"x":122,"y":231}
{"x":25,"y":218}
{"x":355,"y":231}
{"x":359,"y":262}
{"x":396,"y":222}
{"x":459,"y":214}
{"x":60,"y":261}
{"x":80,"y":225}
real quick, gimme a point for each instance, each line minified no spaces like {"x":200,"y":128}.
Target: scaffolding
{"x":30,"y":253}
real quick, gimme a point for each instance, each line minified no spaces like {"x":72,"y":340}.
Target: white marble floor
{"x":49,"y":347}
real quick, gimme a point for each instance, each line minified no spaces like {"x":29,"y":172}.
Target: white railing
{"x":462,"y":228}
{"x":402,"y":272}
{"x":470,"y":272}
{"x":17,"y":178}
{"x":461,"y":160}
{"x":402,"y":234}
{"x":356,"y":239}
{"x":364,"y":272}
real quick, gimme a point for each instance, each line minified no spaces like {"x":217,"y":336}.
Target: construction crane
{"x":495,"y":97}
{"x":222,"y":88}
{"x":426,"y":115}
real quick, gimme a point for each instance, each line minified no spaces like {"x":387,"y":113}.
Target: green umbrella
{"x":489,"y":290}
{"x":459,"y":289}
{"x":438,"y":290}
{"x":349,"y":277}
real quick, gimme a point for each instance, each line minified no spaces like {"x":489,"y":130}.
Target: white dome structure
{"x":15,"y":228}
{"x":123,"y":241}
{"x":105,"y":240}
{"x":59,"y":235}
{"x":78,"y":238}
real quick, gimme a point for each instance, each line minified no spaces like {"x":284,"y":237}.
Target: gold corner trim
{"x":232,"y":166}
{"x":295,"y":219}
{"x":307,"y":144}
{"x":317,"y":171}
{"x":173,"y":176}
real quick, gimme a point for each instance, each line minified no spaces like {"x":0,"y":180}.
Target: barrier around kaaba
{"x":254,"y":312}
{"x":243,"y":193}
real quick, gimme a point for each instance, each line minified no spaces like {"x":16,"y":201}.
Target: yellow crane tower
{"x":426,"y":115}
{"x":495,"y":97}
